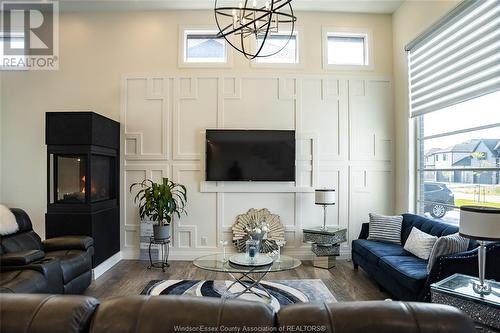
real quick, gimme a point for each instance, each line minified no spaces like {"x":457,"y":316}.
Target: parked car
{"x":438,"y":199}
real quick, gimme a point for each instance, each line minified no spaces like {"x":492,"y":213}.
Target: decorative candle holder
{"x":280,"y":243}
{"x":223,"y":243}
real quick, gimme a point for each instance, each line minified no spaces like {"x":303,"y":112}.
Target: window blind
{"x":457,"y":59}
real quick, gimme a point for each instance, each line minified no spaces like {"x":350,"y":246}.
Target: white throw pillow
{"x":445,"y":245}
{"x":8,"y":223}
{"x":420,"y":244}
{"x":385,"y":228}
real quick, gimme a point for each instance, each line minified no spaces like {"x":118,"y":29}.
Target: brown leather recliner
{"x":155,"y":314}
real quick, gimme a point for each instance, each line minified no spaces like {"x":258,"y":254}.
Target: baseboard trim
{"x":106,"y":265}
{"x":130,"y":254}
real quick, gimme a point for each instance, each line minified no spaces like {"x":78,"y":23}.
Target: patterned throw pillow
{"x":450,"y":244}
{"x":385,"y":228}
{"x":420,"y":244}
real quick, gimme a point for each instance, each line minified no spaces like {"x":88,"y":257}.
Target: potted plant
{"x":160,"y":202}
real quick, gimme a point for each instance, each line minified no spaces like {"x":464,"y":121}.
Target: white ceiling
{"x":354,"y":6}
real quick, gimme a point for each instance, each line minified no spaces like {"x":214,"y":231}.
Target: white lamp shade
{"x":482,"y":223}
{"x":325,"y":197}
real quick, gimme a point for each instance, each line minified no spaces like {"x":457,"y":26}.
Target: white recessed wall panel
{"x":259,"y":106}
{"x":145,"y":112}
{"x":282,"y":204}
{"x":321,"y":114}
{"x":201,"y":207}
{"x":196,"y":110}
{"x":370,"y":114}
{"x":371,"y":192}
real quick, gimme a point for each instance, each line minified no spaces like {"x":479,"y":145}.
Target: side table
{"x":163,"y":252}
{"x":325,"y":244}
{"x":457,"y":291}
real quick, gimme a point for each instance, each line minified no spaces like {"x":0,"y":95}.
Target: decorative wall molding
{"x":344,"y":137}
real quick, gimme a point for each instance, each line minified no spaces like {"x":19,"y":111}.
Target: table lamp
{"x":481,"y":224}
{"x":324,"y":197}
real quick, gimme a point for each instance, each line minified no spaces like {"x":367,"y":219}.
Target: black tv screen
{"x":250,"y":155}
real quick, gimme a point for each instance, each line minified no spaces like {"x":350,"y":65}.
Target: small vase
{"x":161,"y":232}
{"x":252,"y":249}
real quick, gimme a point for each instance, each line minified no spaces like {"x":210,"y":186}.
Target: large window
{"x":454,"y":81}
{"x":459,"y":157}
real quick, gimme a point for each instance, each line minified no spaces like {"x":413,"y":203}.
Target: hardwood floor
{"x":129,"y":277}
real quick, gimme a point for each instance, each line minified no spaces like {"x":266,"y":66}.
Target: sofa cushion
{"x":22,"y":281}
{"x":420,"y":244}
{"x":73,"y":263}
{"x":410,"y":271}
{"x":385,"y":228}
{"x":373,"y":250}
{"x":429,"y":226}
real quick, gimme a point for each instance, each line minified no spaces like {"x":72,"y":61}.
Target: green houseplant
{"x":160,"y":202}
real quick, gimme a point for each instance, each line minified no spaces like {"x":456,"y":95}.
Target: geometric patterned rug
{"x":283,"y":292}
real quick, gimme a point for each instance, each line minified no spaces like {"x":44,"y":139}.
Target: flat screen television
{"x":250,"y":155}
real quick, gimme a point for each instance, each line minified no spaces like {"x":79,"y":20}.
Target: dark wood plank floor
{"x":129,"y":277}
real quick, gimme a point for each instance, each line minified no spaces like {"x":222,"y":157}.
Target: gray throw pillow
{"x":420,"y":244}
{"x":445,"y":245}
{"x":385,"y":228}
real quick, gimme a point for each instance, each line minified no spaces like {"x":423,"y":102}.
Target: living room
{"x":262,"y":165}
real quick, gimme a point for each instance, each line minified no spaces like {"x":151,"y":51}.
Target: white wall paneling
{"x":344,"y":140}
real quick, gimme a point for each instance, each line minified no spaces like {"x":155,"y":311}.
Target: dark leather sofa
{"x":57,"y":265}
{"x":403,"y":275}
{"x":154,"y":314}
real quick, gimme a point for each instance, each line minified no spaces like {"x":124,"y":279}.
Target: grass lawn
{"x":465,"y":202}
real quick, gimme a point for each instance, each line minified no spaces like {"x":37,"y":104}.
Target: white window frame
{"x":182,"y":63}
{"x":298,"y":32}
{"x":349,"y":32}
{"x":12,"y":34}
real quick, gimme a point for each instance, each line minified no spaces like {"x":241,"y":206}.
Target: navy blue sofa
{"x":403,"y":275}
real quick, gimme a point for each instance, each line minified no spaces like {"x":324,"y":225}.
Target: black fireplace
{"x":83,"y":179}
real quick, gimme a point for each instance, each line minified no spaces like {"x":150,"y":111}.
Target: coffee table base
{"x":248,"y":283}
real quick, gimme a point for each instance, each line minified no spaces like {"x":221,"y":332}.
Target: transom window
{"x":201,"y":47}
{"x":289,"y":55}
{"x":347,"y":49}
{"x":10,"y":62}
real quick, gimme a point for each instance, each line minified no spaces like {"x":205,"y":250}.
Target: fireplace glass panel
{"x":102,"y":173}
{"x":71,"y":178}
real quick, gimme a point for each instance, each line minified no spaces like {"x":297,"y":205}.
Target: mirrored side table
{"x":163,"y":252}
{"x":325,"y":244}
{"x":457,"y":291}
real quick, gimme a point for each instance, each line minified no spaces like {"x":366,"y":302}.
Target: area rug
{"x":283,"y":292}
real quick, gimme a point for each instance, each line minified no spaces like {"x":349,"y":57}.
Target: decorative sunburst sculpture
{"x":258,"y":224}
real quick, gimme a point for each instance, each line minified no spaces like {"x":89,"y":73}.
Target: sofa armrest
{"x":365,"y":228}
{"x":464,"y":263}
{"x":21,"y":258}
{"x":68,"y":243}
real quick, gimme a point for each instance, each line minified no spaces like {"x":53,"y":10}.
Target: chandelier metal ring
{"x":258,"y":22}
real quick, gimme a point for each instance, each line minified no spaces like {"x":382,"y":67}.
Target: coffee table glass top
{"x":216,"y":262}
{"x":461,"y":285}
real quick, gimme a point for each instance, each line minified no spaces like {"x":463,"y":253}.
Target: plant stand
{"x":163,"y":252}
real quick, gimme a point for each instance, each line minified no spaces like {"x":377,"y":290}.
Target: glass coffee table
{"x":242,"y":275}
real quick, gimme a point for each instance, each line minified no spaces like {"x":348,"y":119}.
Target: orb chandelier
{"x":247,"y":26}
